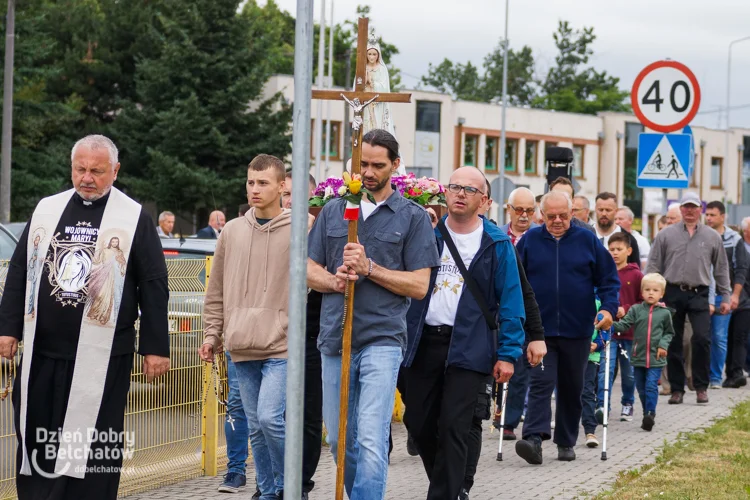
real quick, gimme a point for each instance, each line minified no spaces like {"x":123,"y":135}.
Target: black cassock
{"x":59,"y":313}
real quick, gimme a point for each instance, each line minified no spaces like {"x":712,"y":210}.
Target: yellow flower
{"x":355,"y":186}
{"x":347,"y":178}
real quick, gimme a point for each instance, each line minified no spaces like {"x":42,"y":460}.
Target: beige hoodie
{"x":247,"y":300}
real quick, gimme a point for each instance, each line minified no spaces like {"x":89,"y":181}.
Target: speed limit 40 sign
{"x":665,"y":96}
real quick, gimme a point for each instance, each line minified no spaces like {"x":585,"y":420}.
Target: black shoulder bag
{"x":468,"y":280}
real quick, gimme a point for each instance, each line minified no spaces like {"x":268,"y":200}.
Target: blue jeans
{"x":236,"y":438}
{"x":588,"y":398}
{"x":626,"y":372}
{"x":719,"y":336}
{"x":372,"y":390}
{"x":646,"y":380}
{"x":263,"y":390}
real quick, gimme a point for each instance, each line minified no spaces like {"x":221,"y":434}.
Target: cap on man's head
{"x":690,"y":198}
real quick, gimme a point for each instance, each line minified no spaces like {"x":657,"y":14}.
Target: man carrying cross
{"x":391,"y":264}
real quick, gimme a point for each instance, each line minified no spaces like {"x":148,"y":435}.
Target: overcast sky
{"x":630,"y":35}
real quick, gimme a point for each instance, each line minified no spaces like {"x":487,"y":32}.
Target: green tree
{"x":570,"y":86}
{"x":464,"y":82}
{"x":189,"y":134}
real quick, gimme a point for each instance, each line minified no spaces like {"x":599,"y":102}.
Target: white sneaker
{"x":715,"y":386}
{"x":592,"y":441}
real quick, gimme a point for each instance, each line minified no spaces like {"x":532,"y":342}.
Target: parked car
{"x":16,"y":228}
{"x":8,"y":242}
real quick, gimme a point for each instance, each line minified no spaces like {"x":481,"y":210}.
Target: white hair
{"x":627,"y":211}
{"x":517,"y":191}
{"x":585,"y":200}
{"x":556,"y":195}
{"x":94,"y":142}
{"x":745,"y":223}
{"x":164,"y":215}
{"x":674,"y":206}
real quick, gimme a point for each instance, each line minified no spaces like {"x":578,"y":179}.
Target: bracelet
{"x":370,"y":271}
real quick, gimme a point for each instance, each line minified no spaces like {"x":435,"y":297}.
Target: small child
{"x":630,"y":293}
{"x":652,"y":332}
{"x":588,"y":397}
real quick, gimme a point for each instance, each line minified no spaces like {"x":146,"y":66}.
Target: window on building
{"x":511,"y":156}
{"x":532,"y":148}
{"x":716,"y":172}
{"x":428,"y":116}
{"x":633,"y":195}
{"x":471,"y":146}
{"x":578,"y":160}
{"x":334,"y":151}
{"x":490,"y":154}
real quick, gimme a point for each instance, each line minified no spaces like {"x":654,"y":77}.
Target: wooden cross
{"x":358,"y":100}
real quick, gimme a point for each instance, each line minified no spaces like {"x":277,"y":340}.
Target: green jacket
{"x":652,"y":328}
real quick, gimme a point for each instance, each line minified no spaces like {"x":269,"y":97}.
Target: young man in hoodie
{"x":391,"y":265}
{"x":630,"y":293}
{"x":738,"y":260}
{"x":245,"y":311}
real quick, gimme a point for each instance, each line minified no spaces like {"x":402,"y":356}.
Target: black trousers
{"x":482,"y":411}
{"x":695,"y":306}
{"x":739,"y":326}
{"x":439,"y":412}
{"x":49,"y":388}
{"x":313,"y":424}
{"x":564,"y":368}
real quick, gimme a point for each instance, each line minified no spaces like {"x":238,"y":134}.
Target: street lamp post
{"x":729,"y":83}
{"x":501,"y":156}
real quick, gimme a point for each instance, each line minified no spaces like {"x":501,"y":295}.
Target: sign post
{"x":665,"y":98}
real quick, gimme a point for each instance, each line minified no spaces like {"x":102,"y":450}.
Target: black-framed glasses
{"x":470,"y":191}
{"x":521,"y":211}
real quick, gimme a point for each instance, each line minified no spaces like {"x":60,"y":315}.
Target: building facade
{"x":438,"y":134}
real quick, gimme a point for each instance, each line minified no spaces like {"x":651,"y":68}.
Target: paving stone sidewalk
{"x":628,"y":447}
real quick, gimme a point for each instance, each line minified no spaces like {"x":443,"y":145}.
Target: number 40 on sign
{"x":665,"y":96}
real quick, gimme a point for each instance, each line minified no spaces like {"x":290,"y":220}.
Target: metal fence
{"x":176,"y":422}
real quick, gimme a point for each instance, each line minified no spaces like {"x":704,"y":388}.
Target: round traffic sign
{"x":665,"y":96}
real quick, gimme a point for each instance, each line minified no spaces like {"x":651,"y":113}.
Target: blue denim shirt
{"x":398,"y":236}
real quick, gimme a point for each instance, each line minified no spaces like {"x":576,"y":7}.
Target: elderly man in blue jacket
{"x":566,"y":266}
{"x":457,"y":336}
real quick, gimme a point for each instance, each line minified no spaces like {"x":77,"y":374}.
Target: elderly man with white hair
{"x":521,"y":206}
{"x":624,"y":218}
{"x":567,"y":268}
{"x":89,"y":260}
{"x":166,"y":225}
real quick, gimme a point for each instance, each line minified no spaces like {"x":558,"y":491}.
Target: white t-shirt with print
{"x":450,"y":283}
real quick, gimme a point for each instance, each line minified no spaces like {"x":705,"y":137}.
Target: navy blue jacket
{"x":565,"y":274}
{"x":473,"y":345}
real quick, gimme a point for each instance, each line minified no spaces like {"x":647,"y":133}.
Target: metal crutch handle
{"x":502,"y":422}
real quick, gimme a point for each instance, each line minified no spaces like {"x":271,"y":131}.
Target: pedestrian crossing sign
{"x":664,"y":160}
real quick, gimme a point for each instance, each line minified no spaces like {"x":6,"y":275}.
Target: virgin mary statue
{"x":377,"y":114}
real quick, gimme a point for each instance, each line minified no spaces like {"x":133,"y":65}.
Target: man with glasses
{"x":581,"y":208}
{"x":451,"y":347}
{"x":683,"y":253}
{"x":521,"y":206}
{"x":565,"y":186}
{"x":565,"y":265}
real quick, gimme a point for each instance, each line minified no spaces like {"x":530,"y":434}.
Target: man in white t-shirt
{"x":451,"y":345}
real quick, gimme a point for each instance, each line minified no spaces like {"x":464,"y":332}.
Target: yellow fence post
{"x":210,"y":416}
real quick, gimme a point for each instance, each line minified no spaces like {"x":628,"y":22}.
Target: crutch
{"x":502,"y":421}
{"x":606,"y":336}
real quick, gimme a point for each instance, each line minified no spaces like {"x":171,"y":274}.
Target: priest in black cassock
{"x":87,"y":262}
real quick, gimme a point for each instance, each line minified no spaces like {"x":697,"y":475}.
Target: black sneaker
{"x":411,"y":446}
{"x":463,"y":494}
{"x":256,"y":495}
{"x":648,"y":421}
{"x":566,"y":453}
{"x":233,"y":481}
{"x":530,"y":449}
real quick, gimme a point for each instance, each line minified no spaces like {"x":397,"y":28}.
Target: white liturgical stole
{"x":97,"y":333}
